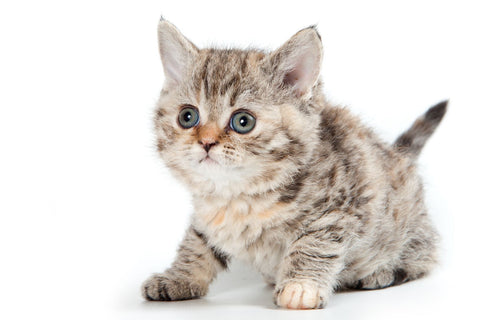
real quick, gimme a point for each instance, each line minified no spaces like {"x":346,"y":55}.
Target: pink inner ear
{"x":172,"y":65}
{"x":303,"y":74}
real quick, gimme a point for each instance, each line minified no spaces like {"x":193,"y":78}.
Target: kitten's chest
{"x":244,"y":228}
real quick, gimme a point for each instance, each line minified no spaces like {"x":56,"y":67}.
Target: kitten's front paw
{"x":160,"y":287}
{"x":300,"y":294}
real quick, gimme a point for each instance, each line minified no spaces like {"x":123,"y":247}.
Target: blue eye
{"x":242,"y":122}
{"x":188,"y":117}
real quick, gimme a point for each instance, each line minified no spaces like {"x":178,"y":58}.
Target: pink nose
{"x":207,"y":144}
{"x":208,"y":135}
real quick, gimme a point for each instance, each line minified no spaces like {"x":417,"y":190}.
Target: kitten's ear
{"x":297,"y":63}
{"x":176,"y":51}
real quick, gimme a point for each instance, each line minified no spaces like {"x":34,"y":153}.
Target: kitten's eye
{"x":242,"y":122}
{"x":188,"y":117}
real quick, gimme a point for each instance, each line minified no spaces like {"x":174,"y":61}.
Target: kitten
{"x":281,"y":179}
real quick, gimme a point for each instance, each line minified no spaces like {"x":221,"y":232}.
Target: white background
{"x":88,"y":211}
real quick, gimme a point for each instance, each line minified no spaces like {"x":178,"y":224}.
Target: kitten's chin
{"x":211,"y":177}
{"x":221,"y":176}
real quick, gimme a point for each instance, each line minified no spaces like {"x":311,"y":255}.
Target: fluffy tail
{"x":412,"y":141}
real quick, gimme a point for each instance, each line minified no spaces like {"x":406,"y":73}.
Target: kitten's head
{"x":237,"y":121}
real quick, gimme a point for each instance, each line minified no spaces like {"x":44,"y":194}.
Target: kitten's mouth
{"x":208,"y":160}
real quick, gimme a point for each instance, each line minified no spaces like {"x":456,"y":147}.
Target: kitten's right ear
{"x":176,"y":51}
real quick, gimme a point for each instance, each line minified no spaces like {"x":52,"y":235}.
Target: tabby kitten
{"x":283,"y":180}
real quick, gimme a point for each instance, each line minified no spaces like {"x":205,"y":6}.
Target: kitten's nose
{"x":208,"y":135}
{"x":207,"y":144}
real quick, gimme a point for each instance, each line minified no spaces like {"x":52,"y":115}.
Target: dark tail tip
{"x":412,"y":141}
{"x":436,"y":113}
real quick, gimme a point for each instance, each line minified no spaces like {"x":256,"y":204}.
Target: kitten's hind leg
{"x":417,"y":259}
{"x":419,"y":256}
{"x":382,"y":278}
{"x":193,"y":270}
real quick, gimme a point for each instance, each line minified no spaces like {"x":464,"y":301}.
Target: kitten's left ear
{"x":297,"y":63}
{"x":176,"y":51}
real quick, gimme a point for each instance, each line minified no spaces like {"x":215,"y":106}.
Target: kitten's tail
{"x":412,"y":141}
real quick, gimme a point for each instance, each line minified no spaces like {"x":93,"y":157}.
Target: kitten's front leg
{"x":194,"y":268}
{"x":308,"y":273}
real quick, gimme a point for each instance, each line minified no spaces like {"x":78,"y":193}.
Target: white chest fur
{"x":245,"y":228}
